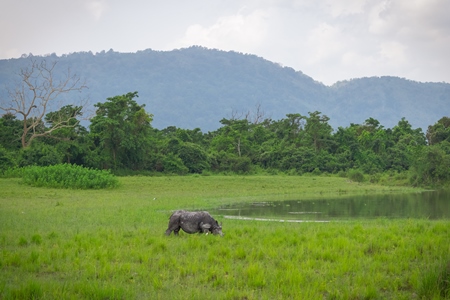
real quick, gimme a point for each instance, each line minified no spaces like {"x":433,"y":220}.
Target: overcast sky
{"x":329,"y":40}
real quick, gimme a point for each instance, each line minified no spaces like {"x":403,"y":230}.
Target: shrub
{"x":375,"y":178}
{"x":39,"y":155}
{"x":6,"y":159}
{"x":68,"y":176}
{"x":356,"y":175}
{"x":342,"y":174}
{"x":173,"y":164}
{"x":316,"y":172}
{"x":11,"y":173}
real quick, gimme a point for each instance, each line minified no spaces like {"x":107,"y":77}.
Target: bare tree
{"x":36,"y":94}
{"x":253,"y":117}
{"x":256,"y":117}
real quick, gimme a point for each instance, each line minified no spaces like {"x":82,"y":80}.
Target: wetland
{"x":431,"y":205}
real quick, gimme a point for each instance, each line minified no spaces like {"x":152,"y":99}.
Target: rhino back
{"x":197,"y":216}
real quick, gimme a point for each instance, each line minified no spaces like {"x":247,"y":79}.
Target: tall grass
{"x":110,"y":244}
{"x":68,"y":176}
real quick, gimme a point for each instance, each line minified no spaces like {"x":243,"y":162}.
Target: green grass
{"x":110,"y":244}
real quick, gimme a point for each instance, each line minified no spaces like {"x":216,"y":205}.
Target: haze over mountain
{"x":197,"y":87}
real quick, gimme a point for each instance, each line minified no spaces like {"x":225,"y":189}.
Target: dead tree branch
{"x":36,"y":94}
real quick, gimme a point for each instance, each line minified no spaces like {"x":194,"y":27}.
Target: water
{"x":426,"y":205}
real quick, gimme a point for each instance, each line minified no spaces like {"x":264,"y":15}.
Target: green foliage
{"x":439,"y":132}
{"x":432,"y":164}
{"x":318,"y":131}
{"x":12,"y":173}
{"x":316,"y":172}
{"x":122,"y":139}
{"x":40,"y":154}
{"x":70,"y":140}
{"x":356,"y":175}
{"x":68,"y":176}
{"x":10,"y":131}
{"x":173,"y":164}
{"x":193,"y":157}
{"x":223,"y":161}
{"x":7,"y":160}
{"x":121,"y":130}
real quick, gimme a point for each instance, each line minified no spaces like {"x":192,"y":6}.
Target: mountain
{"x":197,"y":87}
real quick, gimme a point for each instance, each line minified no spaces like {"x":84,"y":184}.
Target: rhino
{"x":193,"y":222}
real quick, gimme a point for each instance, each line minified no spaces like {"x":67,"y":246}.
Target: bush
{"x":6,"y":159}
{"x":375,"y":178}
{"x":226,"y":162}
{"x":68,"y":176}
{"x":316,"y":172}
{"x":174,"y":165}
{"x":342,"y":174}
{"x":356,"y":175}
{"x":11,"y":173}
{"x":39,"y":155}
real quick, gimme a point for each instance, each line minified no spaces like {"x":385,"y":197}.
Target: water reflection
{"x":429,"y":205}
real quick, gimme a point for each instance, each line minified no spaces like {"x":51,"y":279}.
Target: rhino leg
{"x":174,"y":225}
{"x":205,"y":227}
{"x":175,"y":228}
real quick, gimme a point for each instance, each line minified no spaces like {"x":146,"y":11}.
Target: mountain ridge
{"x":196,"y":87}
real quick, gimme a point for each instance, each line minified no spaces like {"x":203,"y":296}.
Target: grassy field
{"x":110,"y":244}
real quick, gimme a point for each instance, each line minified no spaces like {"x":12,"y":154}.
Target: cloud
{"x":325,"y":42}
{"x":394,"y":52}
{"x":414,"y":19}
{"x":96,"y":8}
{"x":241,"y":31}
{"x":378,"y":16}
{"x":343,"y":7}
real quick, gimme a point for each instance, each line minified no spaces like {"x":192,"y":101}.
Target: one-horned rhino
{"x":193,"y":222}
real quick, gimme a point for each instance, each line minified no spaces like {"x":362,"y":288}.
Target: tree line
{"x":120,"y":138}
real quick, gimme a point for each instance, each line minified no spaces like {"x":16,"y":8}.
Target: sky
{"x":328,"y":40}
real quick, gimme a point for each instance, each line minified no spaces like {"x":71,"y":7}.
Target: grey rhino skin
{"x":193,"y":222}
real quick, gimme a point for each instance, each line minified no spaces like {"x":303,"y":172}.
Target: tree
{"x":290,"y":128}
{"x":68,"y":140}
{"x":432,"y":164}
{"x":39,"y":88}
{"x":405,"y":142}
{"x":193,"y":157}
{"x":10,"y":129}
{"x":318,"y":130}
{"x":121,"y":129}
{"x":233,"y":137}
{"x":439,"y":132}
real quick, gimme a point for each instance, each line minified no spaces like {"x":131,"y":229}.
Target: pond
{"x":425,"y":205}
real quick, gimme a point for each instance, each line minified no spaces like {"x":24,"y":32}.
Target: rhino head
{"x":215,"y":228}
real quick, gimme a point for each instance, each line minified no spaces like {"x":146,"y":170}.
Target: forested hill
{"x":197,"y":87}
